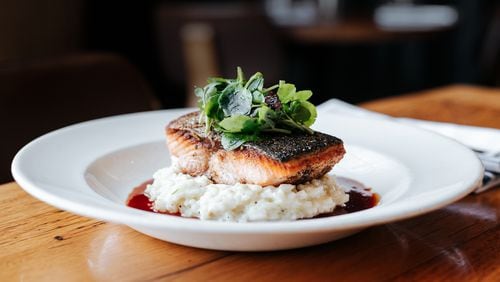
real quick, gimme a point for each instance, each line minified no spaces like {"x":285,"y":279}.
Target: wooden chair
{"x":37,"y":97}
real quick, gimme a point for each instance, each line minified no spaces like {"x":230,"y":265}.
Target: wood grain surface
{"x":462,"y":104}
{"x":353,"y":30}
{"x":460,"y":242}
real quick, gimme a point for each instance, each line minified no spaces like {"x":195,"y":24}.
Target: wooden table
{"x":354,"y":30}
{"x":458,"y":242}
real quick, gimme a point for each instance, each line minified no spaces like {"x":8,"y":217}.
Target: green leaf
{"x":299,"y":113}
{"x":303,"y":95}
{"x":256,"y":82}
{"x":212,"y":106}
{"x":312,"y":110}
{"x":216,"y":84}
{"x":209,"y":90}
{"x":199,"y":92}
{"x":238,"y":109}
{"x":231,"y":141}
{"x":239,"y":123}
{"x":238,"y":102}
{"x":286,"y":92}
{"x":240,"y":75}
{"x":257,"y":97}
{"x":230,"y":88}
{"x":270,"y":88}
{"x":277,"y":130}
{"x":266,"y":116}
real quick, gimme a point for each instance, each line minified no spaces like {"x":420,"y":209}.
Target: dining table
{"x":355,"y":30}
{"x":459,"y":242}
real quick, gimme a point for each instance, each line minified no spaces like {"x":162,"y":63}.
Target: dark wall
{"x":353,"y":71}
{"x":128,"y":28}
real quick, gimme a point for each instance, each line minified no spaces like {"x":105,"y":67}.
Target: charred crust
{"x":185,"y":121}
{"x":189,"y":128}
{"x":280,"y":147}
{"x":286,"y":147}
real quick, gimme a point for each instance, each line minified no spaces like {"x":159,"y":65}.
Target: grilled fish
{"x":273,"y":160}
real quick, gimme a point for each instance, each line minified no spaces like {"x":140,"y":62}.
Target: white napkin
{"x":485,"y":141}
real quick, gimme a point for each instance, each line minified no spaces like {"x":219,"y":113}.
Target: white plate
{"x":91,"y":167}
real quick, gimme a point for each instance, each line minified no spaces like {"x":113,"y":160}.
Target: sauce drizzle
{"x":137,"y":200}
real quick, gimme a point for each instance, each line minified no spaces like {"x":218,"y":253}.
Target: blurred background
{"x":63,"y":62}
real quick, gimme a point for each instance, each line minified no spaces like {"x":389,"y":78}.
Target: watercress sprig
{"x":243,"y":110}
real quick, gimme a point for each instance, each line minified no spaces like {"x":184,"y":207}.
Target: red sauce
{"x":360,"y":198}
{"x":136,"y":199}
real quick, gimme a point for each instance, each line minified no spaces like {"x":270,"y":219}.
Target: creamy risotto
{"x":198,"y":197}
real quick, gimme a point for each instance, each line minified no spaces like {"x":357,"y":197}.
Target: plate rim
{"x":113,"y":211}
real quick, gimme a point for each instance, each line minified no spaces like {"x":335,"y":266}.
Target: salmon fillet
{"x":273,"y":160}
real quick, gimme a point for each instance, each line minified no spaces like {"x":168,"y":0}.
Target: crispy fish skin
{"x":274,"y":160}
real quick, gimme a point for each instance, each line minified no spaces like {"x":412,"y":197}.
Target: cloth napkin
{"x":484,"y":141}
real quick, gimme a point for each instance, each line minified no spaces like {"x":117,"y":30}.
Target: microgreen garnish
{"x":241,"y":110}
